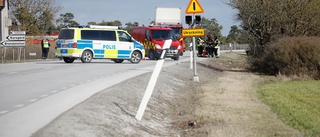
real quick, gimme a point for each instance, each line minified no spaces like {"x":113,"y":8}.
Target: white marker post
{"x":191,"y":56}
{"x":152,"y":81}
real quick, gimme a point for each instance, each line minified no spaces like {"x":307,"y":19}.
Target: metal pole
{"x":195,"y":75}
{"x":19,"y":54}
{"x":12,"y":55}
{"x":2,"y":57}
{"x":191,"y":56}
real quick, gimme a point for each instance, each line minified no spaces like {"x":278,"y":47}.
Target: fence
{"x":234,"y":46}
{"x":31,"y":51}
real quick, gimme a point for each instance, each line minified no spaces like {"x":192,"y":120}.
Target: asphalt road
{"x":32,"y":94}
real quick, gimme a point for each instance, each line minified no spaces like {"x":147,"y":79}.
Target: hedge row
{"x":292,"y":57}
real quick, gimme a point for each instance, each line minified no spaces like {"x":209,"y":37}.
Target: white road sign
{"x":15,"y":39}
{"x":18,"y":32}
{"x":9,"y":43}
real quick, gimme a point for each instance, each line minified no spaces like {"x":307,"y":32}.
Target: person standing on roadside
{"x":209,"y":47}
{"x":200,"y":47}
{"x":216,"y":46}
{"x":45,"y":45}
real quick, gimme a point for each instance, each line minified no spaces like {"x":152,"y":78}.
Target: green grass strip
{"x":296,"y":102}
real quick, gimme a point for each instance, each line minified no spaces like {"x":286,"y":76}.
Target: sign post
{"x":193,"y":8}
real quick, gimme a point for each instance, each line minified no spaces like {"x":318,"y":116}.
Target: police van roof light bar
{"x":104,"y":27}
{"x":74,"y":27}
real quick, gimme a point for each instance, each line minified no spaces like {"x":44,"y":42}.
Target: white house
{"x":5,"y":21}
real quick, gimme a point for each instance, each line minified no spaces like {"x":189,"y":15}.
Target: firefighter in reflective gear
{"x":45,"y":45}
{"x":200,"y":47}
{"x":216,"y":46}
{"x":209,"y":46}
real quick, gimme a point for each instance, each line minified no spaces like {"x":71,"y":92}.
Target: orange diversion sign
{"x":192,"y":32}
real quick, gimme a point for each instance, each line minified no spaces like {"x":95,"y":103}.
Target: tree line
{"x":264,"y":21}
{"x":37,"y":17}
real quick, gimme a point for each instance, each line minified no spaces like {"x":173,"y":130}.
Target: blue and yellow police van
{"x":98,"y":42}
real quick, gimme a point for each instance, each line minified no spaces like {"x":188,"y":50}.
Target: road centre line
{"x":55,"y":91}
{"x":9,"y":73}
{"x":3,"y":112}
{"x":43,"y":96}
{"x":33,"y":100}
{"x":19,"y":106}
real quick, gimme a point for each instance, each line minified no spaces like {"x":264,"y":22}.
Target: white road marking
{"x":33,"y":100}
{"x":42,"y":96}
{"x":55,"y":91}
{"x":11,"y":73}
{"x":3,"y":112}
{"x":19,"y":106}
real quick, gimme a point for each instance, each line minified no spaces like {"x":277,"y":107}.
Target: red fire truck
{"x":171,"y":17}
{"x":153,"y":38}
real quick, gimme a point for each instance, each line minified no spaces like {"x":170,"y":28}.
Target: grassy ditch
{"x":296,"y":103}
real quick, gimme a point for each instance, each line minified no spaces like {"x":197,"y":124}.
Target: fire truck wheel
{"x":151,"y":55}
{"x":176,"y":58}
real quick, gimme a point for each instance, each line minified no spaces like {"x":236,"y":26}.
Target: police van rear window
{"x":66,"y":34}
{"x":98,"y":35}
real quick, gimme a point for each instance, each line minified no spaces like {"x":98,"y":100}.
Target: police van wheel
{"x":118,"y":60}
{"x":68,"y":60}
{"x":86,"y":56}
{"x":135,"y":57}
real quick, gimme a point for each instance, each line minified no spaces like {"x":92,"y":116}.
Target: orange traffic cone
{"x":204,"y":53}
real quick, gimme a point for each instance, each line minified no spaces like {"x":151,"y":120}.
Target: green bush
{"x":290,"y":56}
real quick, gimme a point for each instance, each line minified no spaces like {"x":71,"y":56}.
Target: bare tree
{"x":66,"y":20}
{"x":35,"y":16}
{"x":211,"y":26}
{"x":267,"y":20}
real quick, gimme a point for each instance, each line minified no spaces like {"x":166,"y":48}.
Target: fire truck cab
{"x":153,"y":38}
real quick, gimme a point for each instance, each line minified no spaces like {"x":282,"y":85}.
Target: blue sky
{"x":142,"y":10}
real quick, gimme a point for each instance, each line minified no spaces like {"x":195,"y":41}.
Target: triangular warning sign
{"x":194,"y":7}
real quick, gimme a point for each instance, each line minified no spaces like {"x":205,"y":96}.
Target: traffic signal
{"x":188,"y":20}
{"x":198,"y":19}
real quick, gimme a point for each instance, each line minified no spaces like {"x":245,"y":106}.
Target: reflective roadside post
{"x":152,"y":81}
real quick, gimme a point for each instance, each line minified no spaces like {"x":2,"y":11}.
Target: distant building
{"x":5,"y":21}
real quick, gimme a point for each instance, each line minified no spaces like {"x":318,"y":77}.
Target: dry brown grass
{"x":225,"y":103}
